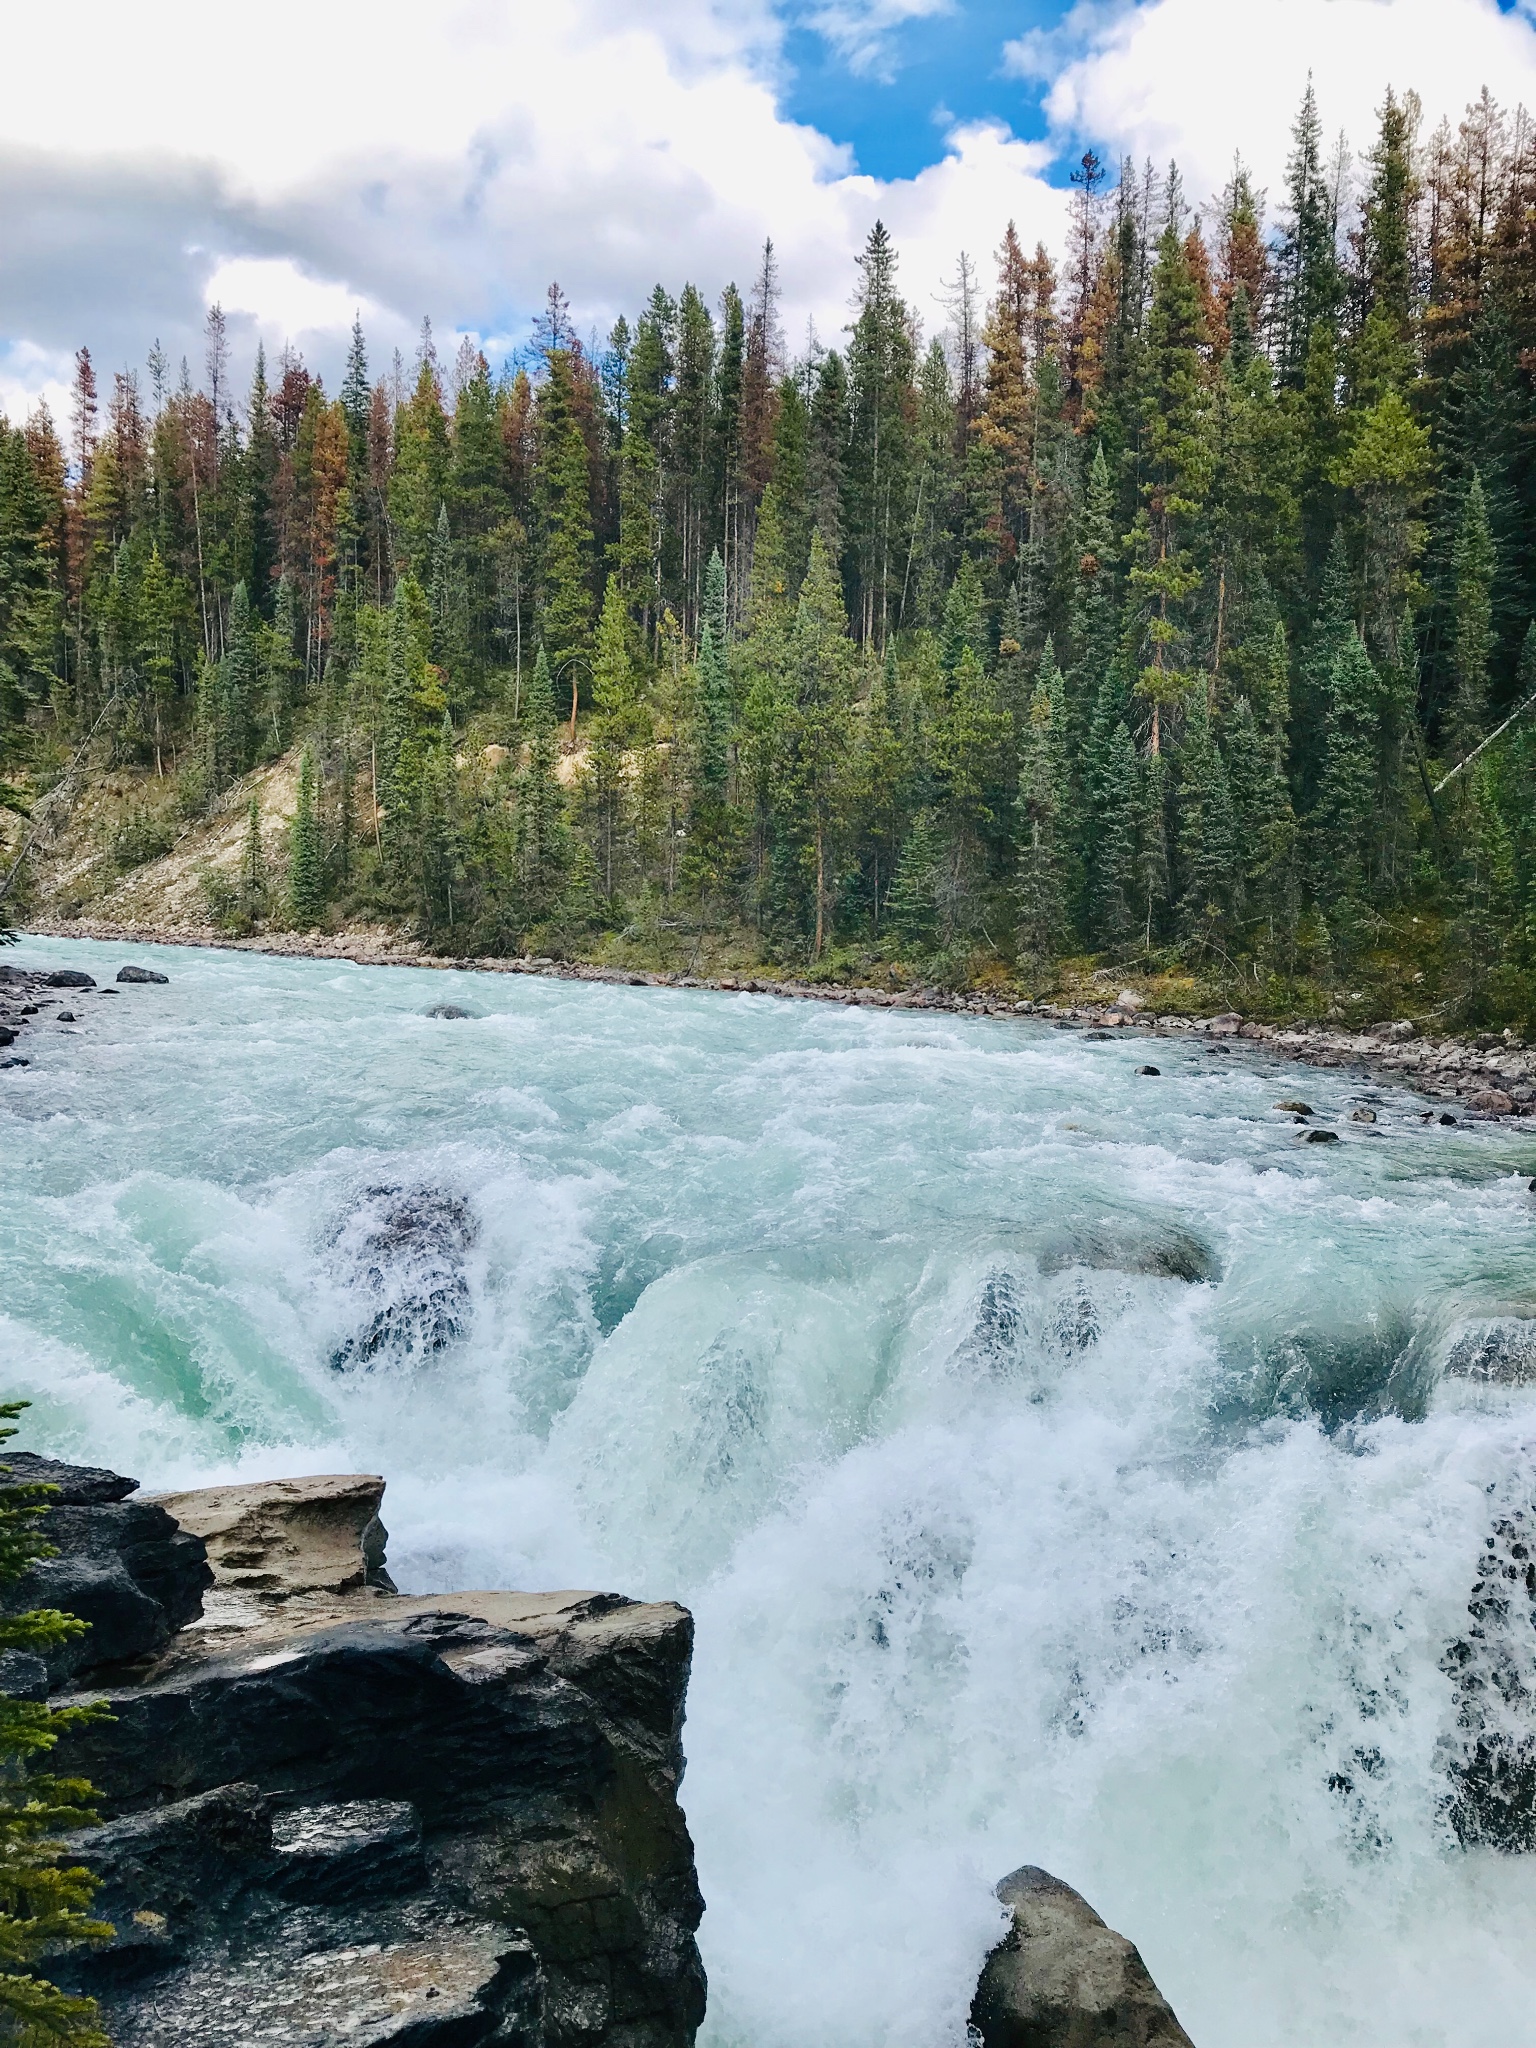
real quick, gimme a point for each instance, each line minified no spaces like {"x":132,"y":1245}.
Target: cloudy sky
{"x":305,"y":158}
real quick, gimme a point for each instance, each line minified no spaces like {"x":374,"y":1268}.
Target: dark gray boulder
{"x":137,"y":974}
{"x":123,"y":1566}
{"x":68,"y":977}
{"x":222,"y":1937}
{"x":401,"y":1252}
{"x":1061,"y":1978}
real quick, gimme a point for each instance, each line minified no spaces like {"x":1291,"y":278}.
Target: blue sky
{"x":936,"y":70}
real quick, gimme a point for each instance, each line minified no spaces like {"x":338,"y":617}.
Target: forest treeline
{"x":1142,"y":609}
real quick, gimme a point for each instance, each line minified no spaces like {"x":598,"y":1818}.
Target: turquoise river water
{"x":1063,"y":1466}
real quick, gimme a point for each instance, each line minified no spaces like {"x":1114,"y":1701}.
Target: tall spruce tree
{"x":1473,"y":568}
{"x":1043,"y":882}
{"x":306,"y":858}
{"x":1209,"y":900}
{"x":1342,"y":821}
{"x":542,"y":851}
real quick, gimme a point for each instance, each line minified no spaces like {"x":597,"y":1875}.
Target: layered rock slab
{"x":350,"y":1816}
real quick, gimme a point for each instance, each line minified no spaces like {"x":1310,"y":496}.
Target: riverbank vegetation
{"x":1159,"y":611}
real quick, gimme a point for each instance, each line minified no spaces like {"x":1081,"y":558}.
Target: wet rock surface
{"x":1158,"y":1251}
{"x":1061,"y":1978}
{"x":339,"y":1815}
{"x":124,"y":1566}
{"x":1491,"y":1759}
{"x":404,"y":1249}
{"x":31,"y":999}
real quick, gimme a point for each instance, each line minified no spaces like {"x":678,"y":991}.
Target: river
{"x":1063,"y":1465}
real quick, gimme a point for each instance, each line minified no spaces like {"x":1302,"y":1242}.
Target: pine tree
{"x":1342,"y":821}
{"x":912,"y":906}
{"x":965,"y":617}
{"x":1207,"y":837}
{"x":816,"y":734}
{"x":1095,"y":625}
{"x":282,"y":670}
{"x":1473,"y":567}
{"x":448,"y":603}
{"x":1333,"y":624}
{"x":306,"y":861}
{"x":1265,"y":826}
{"x":1043,"y":882}
{"x":1311,"y":288}
{"x":563,"y":498}
{"x":253,"y":864}
{"x":881,"y":402}
{"x":710,"y":825}
{"x":418,"y":479}
{"x":1112,"y":883}
{"x":1152,"y":863}
{"x":238,"y":690}
{"x":1176,"y":471}
{"x":44,"y":1903}
{"x":616,"y":730}
{"x":542,"y":848}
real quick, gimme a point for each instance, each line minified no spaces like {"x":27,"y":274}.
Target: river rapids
{"x":1064,"y":1465}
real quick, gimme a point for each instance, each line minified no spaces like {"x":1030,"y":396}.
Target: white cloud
{"x":453,"y":159}
{"x":31,"y":376}
{"x":283,"y":303}
{"x":862,"y":31}
{"x":1202,"y":80}
{"x":448,"y":160}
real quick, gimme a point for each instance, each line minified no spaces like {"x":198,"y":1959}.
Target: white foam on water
{"x":1060,"y":1465}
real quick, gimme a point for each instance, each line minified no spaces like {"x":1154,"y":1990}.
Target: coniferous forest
{"x":1161,"y":602}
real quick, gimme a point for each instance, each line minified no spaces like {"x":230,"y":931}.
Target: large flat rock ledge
{"x":337,"y":1815}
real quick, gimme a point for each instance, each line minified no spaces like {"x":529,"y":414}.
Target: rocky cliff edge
{"x":337,"y":1814}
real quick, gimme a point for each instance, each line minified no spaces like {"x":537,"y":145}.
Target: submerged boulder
{"x":1159,"y":1250}
{"x":1500,"y":1352}
{"x":142,"y":974}
{"x":403,"y":1249}
{"x":1061,"y":1978}
{"x":1491,"y":1757}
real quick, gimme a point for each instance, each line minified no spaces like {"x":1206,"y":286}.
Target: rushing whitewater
{"x":1064,"y":1466}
